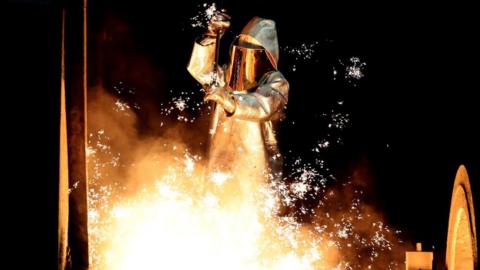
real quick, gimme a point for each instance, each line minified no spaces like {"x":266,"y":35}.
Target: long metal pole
{"x":75,"y":51}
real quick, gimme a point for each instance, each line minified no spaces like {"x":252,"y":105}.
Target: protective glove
{"x":221,"y":96}
{"x":218,"y":24}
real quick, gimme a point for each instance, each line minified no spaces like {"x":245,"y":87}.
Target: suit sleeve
{"x":202,"y":59}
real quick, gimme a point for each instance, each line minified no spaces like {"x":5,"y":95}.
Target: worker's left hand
{"x":221,"y":96}
{"x":219,"y":23}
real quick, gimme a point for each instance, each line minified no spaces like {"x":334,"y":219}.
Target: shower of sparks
{"x":121,"y":106}
{"x":301,"y":53}
{"x":175,"y":220}
{"x":171,"y":226}
{"x":182,"y":107}
{"x":338,"y":120}
{"x":324,"y":144}
{"x":204,"y":15}
{"x":300,"y":189}
{"x":180,"y":104}
{"x":125,"y":96}
{"x":354,"y":70}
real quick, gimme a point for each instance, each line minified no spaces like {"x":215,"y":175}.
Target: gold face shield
{"x":248,"y":63}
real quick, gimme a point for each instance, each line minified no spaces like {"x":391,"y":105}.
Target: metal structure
{"x":462,"y":251}
{"x":72,"y":189}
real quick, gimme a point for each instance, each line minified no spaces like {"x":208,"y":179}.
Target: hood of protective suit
{"x":253,"y":53}
{"x":262,"y":32}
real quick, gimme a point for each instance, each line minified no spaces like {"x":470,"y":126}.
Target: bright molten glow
{"x":179,"y":222}
{"x":151,"y":206}
{"x":171,"y":231}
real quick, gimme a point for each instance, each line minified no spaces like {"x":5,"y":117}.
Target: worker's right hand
{"x":218,"y":23}
{"x":218,"y":77}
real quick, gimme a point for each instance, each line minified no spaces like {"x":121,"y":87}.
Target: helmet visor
{"x":248,"y":63}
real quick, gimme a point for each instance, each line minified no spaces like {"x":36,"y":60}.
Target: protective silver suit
{"x":250,"y":95}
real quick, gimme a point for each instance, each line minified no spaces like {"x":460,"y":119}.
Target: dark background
{"x":419,"y":93}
